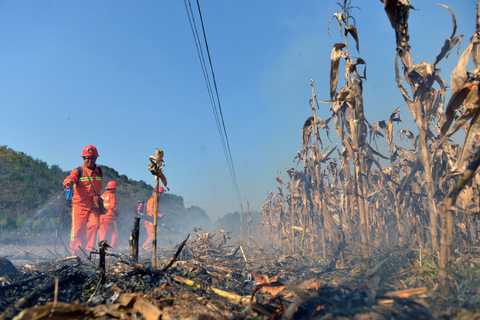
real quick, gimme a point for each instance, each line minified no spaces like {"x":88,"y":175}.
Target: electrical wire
{"x":214,"y":99}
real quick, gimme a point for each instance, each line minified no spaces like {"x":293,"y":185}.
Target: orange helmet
{"x":111,"y":185}
{"x":89,"y":151}
{"x":160,"y":190}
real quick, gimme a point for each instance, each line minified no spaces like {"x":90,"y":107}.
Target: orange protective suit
{"x":148,"y":224}
{"x":85,"y":222}
{"x":108,"y":221}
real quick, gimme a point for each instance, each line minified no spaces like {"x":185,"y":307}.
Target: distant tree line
{"x":232,"y":223}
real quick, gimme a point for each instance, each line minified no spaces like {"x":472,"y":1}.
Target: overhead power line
{"x":212,"y":92}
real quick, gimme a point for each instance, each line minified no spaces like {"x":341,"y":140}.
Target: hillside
{"x":32,"y":199}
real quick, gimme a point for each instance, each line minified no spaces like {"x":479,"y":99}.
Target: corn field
{"x":353,"y":194}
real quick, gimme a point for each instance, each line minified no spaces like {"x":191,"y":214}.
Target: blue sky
{"x":125,"y":77}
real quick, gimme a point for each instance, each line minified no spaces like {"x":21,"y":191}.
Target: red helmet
{"x":111,"y":185}
{"x":89,"y":151}
{"x":160,"y":190}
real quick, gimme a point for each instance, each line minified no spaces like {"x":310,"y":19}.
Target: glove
{"x":67,"y":184}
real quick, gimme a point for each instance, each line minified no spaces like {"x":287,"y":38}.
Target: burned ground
{"x":215,"y":277}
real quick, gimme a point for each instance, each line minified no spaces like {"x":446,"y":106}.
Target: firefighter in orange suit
{"x":87,"y":183}
{"x":108,"y":221}
{"x":150,"y":210}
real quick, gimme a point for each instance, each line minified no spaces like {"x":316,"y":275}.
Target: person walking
{"x":86,"y":182}
{"x":108,"y":221}
{"x":150,"y":211}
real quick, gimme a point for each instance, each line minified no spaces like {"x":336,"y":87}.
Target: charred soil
{"x":208,"y":278}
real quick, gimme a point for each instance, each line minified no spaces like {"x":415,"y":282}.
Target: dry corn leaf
{"x":409,"y":135}
{"x":156,"y":164}
{"x":459,"y":74}
{"x":454,"y":104}
{"x":353,"y":31}
{"x":114,"y":310}
{"x":148,"y":310}
{"x":468,"y":144}
{"x":449,"y":43}
{"x":63,"y":310}
{"x":127,"y":299}
{"x":354,"y":69}
{"x":339,"y":17}
{"x":335,"y":56}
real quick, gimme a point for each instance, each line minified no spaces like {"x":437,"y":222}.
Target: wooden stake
{"x":102,"y":249}
{"x":154,"y":238}
{"x":155,"y":167}
{"x":134,"y":235}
